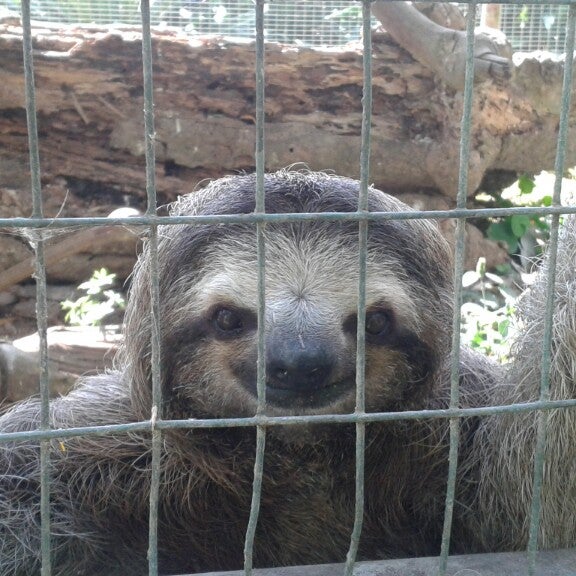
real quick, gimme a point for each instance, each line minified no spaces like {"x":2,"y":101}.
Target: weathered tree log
{"x":89,"y":99}
{"x":73,"y":352}
{"x":89,"y":84}
{"x":88,"y":240}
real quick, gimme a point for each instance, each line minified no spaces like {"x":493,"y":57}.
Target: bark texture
{"x":89,"y":84}
{"x":89,"y":100}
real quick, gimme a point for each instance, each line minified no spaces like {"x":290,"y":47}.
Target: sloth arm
{"x":82,"y":474}
{"x":505,"y":444}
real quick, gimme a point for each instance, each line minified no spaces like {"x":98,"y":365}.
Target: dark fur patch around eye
{"x":183,"y":338}
{"x":222,"y":321}
{"x":393,"y":337}
{"x":381,"y":327}
{"x":418,"y":354}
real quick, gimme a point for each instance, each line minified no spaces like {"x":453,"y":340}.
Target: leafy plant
{"x":487,"y":311}
{"x":523,"y":16}
{"x":512,"y":229}
{"x":490,"y":298}
{"x":99,"y":300}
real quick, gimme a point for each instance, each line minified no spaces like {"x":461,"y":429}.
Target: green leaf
{"x":98,"y":302}
{"x":519,"y":224}
{"x":501,"y":232}
{"x":503,"y":327}
{"x":526,"y":184}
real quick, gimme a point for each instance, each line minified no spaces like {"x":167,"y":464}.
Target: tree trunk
{"x":73,"y":352}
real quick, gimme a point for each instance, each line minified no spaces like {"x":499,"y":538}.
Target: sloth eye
{"x":378,"y":322}
{"x":379,"y":327}
{"x":227,"y":320}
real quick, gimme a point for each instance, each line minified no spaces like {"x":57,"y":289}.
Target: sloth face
{"x":209,"y":303}
{"x":310,"y":326}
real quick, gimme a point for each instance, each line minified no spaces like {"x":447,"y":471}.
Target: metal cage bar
{"x":260,"y":208}
{"x":61,"y":433}
{"x":361,"y":310}
{"x":460,"y":237}
{"x":156,"y":358}
{"x":41,"y":288}
{"x":464,"y":213}
{"x":539,"y":458}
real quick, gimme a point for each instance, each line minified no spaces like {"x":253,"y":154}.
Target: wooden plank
{"x":549,"y":563}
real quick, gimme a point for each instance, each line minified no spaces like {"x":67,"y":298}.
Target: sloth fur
{"x":100,"y":484}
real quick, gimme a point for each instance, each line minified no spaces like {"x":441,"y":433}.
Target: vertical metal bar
{"x":156,"y":413}
{"x":40,"y":275}
{"x":34,"y":153}
{"x":148,"y":88}
{"x":261,"y":254}
{"x":543,"y":416}
{"x":458,"y":271}
{"x":362,"y":258}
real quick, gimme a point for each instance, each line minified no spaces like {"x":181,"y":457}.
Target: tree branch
{"x":441,"y":49}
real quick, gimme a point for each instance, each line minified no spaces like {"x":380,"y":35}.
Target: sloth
{"x":100,"y":485}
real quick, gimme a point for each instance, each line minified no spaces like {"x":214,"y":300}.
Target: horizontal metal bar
{"x":58,"y":223}
{"x":148,"y":425}
{"x":549,"y":563}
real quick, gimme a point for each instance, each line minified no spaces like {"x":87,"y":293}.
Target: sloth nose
{"x":299,"y":368}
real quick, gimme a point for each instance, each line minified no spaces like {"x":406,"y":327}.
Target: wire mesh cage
{"x":334,"y":23}
{"x":535,"y":27}
{"x":528,"y":27}
{"x":326,"y":22}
